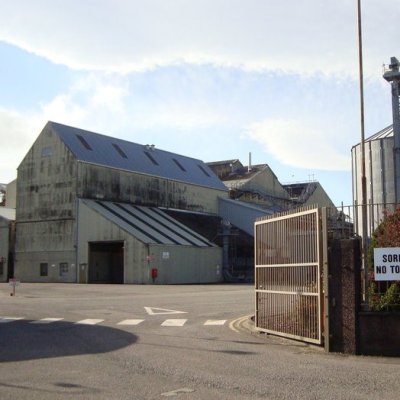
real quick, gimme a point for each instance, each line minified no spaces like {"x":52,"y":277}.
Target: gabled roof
{"x":116,"y":153}
{"x":244,"y":173}
{"x":148,"y":224}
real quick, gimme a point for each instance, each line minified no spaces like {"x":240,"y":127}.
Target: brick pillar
{"x":344,"y":294}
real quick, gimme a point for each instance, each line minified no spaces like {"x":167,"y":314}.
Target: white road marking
{"x":174,"y":322}
{"x":89,"y":321}
{"x":46,"y":320}
{"x":177,"y":391}
{"x":131,"y":322}
{"x":162,"y":311}
{"x":4,"y":320}
{"x":215,"y":322}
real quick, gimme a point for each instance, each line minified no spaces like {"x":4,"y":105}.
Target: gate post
{"x":325,"y":279}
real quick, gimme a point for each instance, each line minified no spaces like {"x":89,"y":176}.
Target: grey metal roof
{"x":240,"y":214}
{"x":149,"y":225}
{"x":107,"y":151}
{"x":382,"y":134}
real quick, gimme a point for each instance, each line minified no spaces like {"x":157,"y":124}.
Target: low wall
{"x":351,"y":330}
{"x":379,"y":334}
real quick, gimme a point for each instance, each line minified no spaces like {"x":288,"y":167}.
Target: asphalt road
{"x":152,"y":342}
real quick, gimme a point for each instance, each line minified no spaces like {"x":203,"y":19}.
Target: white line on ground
{"x":215,"y":322}
{"x":174,"y":322}
{"x":46,"y":320}
{"x":10,"y":319}
{"x":131,"y":322}
{"x":89,"y":321}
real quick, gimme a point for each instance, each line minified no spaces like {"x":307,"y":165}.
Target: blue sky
{"x":210,"y":79}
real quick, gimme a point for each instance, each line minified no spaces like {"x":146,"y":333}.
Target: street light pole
{"x":363,"y":175}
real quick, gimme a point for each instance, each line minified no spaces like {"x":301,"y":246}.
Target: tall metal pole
{"x":363,"y":175}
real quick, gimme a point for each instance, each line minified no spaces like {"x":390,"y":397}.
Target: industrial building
{"x":92,"y":208}
{"x":380,"y":161}
{"x":96,"y":209}
{"x":7,"y":242}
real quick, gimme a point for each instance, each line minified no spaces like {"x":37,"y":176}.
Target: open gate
{"x":289,"y":260}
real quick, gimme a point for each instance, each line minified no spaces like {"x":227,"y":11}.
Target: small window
{"x":204,"y":171}
{"x":84,"y":143}
{"x":46,"y":152}
{"x":151,"y":158}
{"x":63,"y":269}
{"x":44,"y":269}
{"x":119,"y":151}
{"x":179,"y":165}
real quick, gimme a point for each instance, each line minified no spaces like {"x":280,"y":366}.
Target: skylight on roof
{"x":179,"y":165}
{"x":119,"y":150}
{"x":204,"y":171}
{"x":151,"y":158}
{"x":84,"y":143}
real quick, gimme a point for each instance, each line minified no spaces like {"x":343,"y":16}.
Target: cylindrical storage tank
{"x":380,"y":179}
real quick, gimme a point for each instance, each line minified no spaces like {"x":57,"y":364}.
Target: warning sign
{"x":387,"y":264}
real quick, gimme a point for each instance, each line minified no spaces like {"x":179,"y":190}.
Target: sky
{"x":208,"y":79}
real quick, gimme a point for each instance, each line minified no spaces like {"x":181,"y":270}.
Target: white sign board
{"x":387,"y":264}
{"x":165,"y":255}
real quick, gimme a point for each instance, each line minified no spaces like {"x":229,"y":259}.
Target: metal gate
{"x":288,"y":274}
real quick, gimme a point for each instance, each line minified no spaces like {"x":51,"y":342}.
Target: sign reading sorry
{"x":387,"y":264}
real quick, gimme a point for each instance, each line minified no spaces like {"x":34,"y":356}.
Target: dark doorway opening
{"x":106,"y":262}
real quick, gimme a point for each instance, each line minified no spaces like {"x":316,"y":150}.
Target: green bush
{"x":386,"y":235}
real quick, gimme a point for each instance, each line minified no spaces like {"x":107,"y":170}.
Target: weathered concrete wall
{"x":186,"y":264}
{"x":46,"y":183}
{"x":320,"y":198}
{"x":175,"y":264}
{"x":4,"y":248}
{"x":11,"y":194}
{"x":95,"y":228}
{"x":28,"y":266}
{"x":267,"y":183}
{"x":96,"y":182}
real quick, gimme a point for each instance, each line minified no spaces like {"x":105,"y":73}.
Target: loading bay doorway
{"x":106,"y":262}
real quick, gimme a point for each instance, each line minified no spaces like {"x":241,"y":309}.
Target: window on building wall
{"x":44,"y":269}
{"x":63,"y":269}
{"x":46,"y":152}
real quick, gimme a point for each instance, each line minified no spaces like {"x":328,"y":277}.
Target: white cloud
{"x":296,"y":143}
{"x":95,"y":102}
{"x":18,"y":131}
{"x":299,"y":36}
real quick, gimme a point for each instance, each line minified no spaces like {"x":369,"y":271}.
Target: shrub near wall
{"x":384,"y":296}
{"x":380,"y":327}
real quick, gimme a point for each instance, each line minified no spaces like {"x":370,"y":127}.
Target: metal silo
{"x":379,"y":166}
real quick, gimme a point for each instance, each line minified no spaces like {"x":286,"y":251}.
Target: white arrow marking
{"x":162,"y":311}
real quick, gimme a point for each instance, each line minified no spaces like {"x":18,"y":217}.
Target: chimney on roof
{"x":249,"y":167}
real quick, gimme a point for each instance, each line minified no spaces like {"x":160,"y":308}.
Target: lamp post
{"x":363,"y":175}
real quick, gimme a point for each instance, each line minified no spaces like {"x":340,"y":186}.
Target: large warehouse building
{"x":92,"y":208}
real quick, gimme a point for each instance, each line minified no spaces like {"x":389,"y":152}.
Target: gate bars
{"x":288,"y":274}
